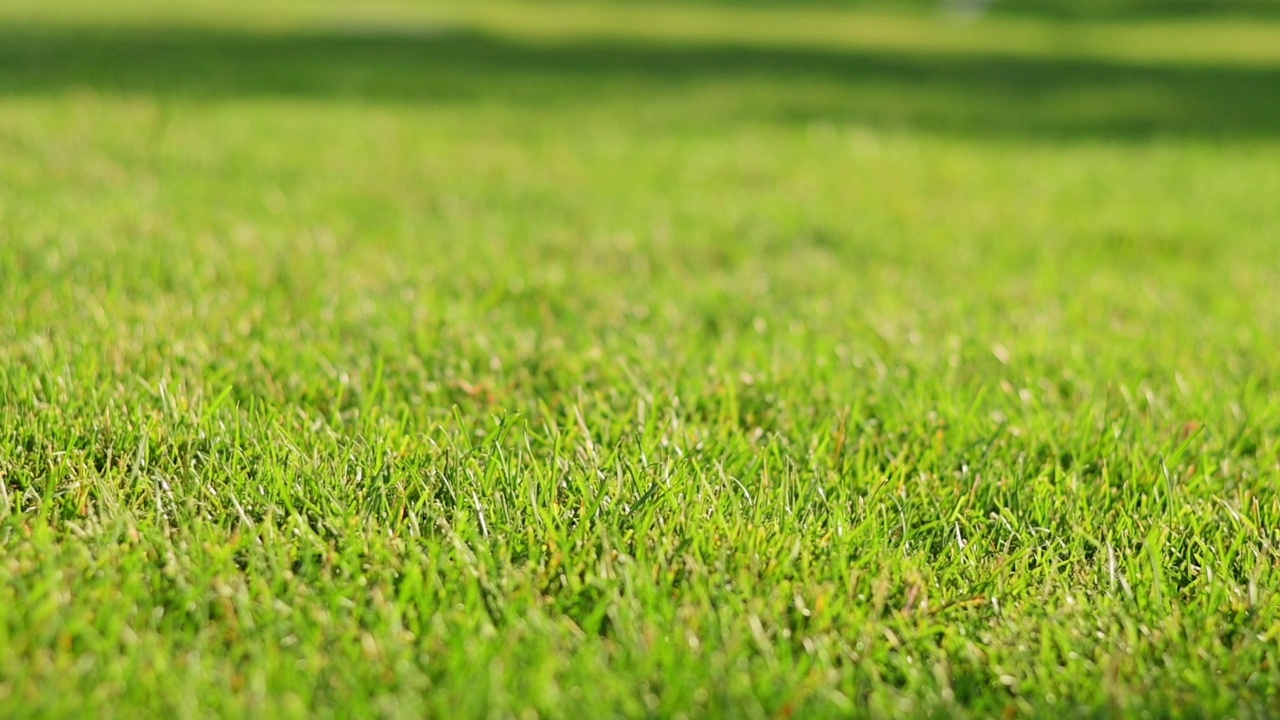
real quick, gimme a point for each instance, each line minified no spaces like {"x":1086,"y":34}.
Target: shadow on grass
{"x":666,"y":82}
{"x":1086,"y":10}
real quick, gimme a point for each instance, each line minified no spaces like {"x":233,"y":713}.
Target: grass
{"x":514,"y":365}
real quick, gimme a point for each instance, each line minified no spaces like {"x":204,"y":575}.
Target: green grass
{"x":414,"y":361}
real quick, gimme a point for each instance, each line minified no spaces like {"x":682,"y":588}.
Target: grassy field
{"x":497,"y":360}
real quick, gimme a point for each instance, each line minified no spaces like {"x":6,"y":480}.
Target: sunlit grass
{"x":723,"y":373}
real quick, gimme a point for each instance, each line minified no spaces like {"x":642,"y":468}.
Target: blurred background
{"x":1124,"y":67}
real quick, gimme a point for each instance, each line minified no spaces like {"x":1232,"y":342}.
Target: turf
{"x":500,"y":361}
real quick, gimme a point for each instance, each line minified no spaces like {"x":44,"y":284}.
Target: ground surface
{"x":404,"y":361}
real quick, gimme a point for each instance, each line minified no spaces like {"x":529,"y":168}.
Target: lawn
{"x":688,"y":360}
